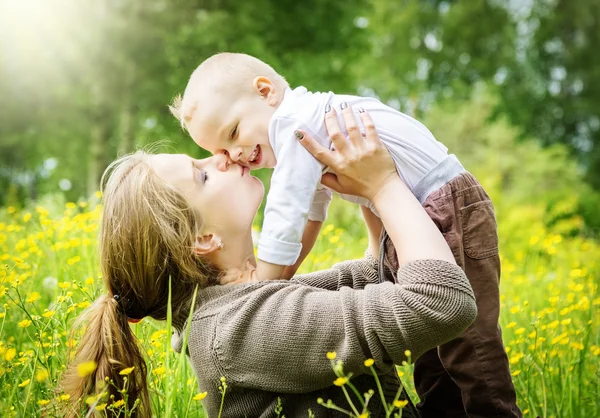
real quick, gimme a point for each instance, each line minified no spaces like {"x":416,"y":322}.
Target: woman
{"x":170,"y":216}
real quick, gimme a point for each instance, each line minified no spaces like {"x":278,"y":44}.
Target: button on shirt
{"x":296,"y":194}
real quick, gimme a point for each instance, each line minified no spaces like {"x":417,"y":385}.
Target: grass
{"x":49,"y":274}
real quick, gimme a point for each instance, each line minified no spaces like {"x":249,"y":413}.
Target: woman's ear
{"x":266,"y":89}
{"x":207,"y":244}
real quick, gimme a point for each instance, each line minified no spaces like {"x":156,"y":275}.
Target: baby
{"x":238,"y":105}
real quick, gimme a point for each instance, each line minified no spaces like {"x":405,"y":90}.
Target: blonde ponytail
{"x":146,"y":239}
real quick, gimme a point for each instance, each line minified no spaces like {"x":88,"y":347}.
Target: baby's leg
{"x":374,"y":228}
{"x":469,"y":376}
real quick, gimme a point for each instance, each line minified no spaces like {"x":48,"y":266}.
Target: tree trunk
{"x":98,"y":142}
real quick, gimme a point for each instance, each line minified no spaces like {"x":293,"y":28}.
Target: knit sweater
{"x":269,"y":339}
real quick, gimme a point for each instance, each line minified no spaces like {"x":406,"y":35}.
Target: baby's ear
{"x":266,"y":88}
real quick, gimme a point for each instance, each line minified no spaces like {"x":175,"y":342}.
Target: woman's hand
{"x":361,"y":165}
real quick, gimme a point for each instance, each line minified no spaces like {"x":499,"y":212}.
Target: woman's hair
{"x":146,"y":238}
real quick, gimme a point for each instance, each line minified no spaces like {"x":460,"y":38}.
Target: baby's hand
{"x":268,"y":271}
{"x":237,"y":276}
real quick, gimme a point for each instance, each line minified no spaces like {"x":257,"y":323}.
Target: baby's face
{"x":235,"y":126}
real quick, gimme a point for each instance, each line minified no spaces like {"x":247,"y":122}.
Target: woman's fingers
{"x":338,"y":139}
{"x":370,"y":130}
{"x":318,"y":151}
{"x":354,"y":135}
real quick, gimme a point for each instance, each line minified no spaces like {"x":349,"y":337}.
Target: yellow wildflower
{"x":48,"y":314}
{"x":200,"y":396}
{"x":41,"y":375}
{"x":24,"y":383}
{"x":43,"y":402}
{"x":119,"y":403}
{"x":400,"y":404}
{"x":10,"y":354}
{"x":126,"y":371}
{"x":369,"y":362}
{"x":101,"y":407}
{"x":86,"y":368}
{"x":159,"y":371}
{"x":24,"y":323}
{"x":340,"y":381}
{"x":331,"y":355}
{"x":33,"y":296}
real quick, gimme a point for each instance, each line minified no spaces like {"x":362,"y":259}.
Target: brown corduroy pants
{"x":468,"y":376}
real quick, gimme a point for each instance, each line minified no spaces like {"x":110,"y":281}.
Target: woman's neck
{"x":236,"y":259}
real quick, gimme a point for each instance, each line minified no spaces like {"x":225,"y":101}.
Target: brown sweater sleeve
{"x":275,"y":335}
{"x":354,"y":273}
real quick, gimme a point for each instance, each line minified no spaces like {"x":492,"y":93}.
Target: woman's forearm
{"x":412,"y":232}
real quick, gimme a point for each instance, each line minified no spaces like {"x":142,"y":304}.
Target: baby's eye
{"x":234,"y":132}
{"x":204,"y":176}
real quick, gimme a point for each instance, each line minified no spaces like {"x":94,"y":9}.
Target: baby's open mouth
{"x":256,"y":155}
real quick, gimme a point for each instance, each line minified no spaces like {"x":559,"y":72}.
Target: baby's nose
{"x":235,"y":154}
{"x":222,"y":162}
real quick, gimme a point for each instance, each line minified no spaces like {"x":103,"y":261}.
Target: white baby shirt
{"x":296,"y":194}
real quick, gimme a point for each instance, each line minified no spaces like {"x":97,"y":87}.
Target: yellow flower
{"x":10,"y":354}
{"x":400,"y":373}
{"x":126,"y":371}
{"x":24,"y":323}
{"x":407,"y":353}
{"x":340,"y":381}
{"x":27,"y":217}
{"x":331,"y":355}
{"x":24,"y":383}
{"x":90,"y":400}
{"x":65,"y":397}
{"x":159,"y":371}
{"x":98,"y":195}
{"x":33,"y":296}
{"x":519,"y":331}
{"x":364,"y":415}
{"x":43,"y":402}
{"x":2,"y":315}
{"x":41,"y":375}
{"x":48,"y":314}
{"x":89,"y":281}
{"x":511,"y":324}
{"x":101,"y":407}
{"x":516,"y":373}
{"x":86,"y":368}
{"x":73,"y":260}
{"x":400,"y":404}
{"x":200,"y":396}
{"x":119,"y":403}
{"x":369,"y":362}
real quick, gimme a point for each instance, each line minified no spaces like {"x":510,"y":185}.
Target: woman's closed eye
{"x":200,"y":175}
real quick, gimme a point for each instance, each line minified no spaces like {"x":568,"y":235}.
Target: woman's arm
{"x":363,"y":167}
{"x":274,"y":336}
{"x":353,"y":273}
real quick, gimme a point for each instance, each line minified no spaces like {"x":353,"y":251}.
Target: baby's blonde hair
{"x":220,"y":73}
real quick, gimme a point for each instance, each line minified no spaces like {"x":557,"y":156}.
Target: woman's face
{"x":224,"y":194}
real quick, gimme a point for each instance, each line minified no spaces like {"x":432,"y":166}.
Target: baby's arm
{"x":293,"y":186}
{"x":374,"y":228}
{"x":309,"y":237}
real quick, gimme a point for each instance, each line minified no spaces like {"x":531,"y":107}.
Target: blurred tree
{"x":551,"y":90}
